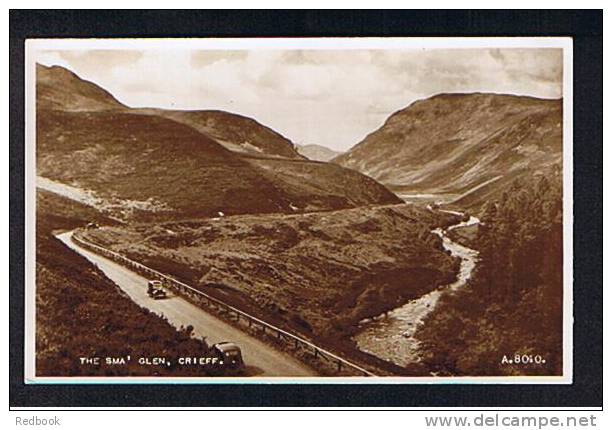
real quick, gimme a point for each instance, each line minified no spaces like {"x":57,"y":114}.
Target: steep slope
{"x":138,"y":164}
{"x":59,"y":88}
{"x":460,"y":144}
{"x":236,"y":132}
{"x":319,"y":273}
{"x":141,"y":164}
{"x":317,"y":152}
{"x":313,"y":185}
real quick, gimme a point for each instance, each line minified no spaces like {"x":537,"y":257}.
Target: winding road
{"x":261,"y":359}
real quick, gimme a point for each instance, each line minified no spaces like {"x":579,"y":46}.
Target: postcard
{"x":299,"y":210}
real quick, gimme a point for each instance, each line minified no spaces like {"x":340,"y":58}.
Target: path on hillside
{"x":262,"y":359}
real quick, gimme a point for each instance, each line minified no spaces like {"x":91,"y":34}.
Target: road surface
{"x":260,"y":358}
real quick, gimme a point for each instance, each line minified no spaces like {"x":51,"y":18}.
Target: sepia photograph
{"x":328,"y":210}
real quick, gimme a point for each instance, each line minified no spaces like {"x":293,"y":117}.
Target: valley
{"x":319,"y":273}
{"x":377,"y":253}
{"x":179,"y":162}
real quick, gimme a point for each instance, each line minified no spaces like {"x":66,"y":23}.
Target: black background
{"x":585,"y":27}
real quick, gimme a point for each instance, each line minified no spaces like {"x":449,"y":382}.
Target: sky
{"x":332,"y":98}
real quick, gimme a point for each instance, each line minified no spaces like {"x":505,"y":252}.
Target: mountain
{"x":59,"y":88}
{"x":139,"y":164}
{"x":461,"y":145}
{"x":317,"y":152}
{"x":322,"y":273}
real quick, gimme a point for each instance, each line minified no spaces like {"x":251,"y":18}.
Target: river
{"x":390,"y":336}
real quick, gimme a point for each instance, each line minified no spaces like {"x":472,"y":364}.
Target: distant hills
{"x":159,"y":163}
{"x":317,"y":152}
{"x":235,"y":132}
{"x":468,"y":147}
{"x":460,"y":148}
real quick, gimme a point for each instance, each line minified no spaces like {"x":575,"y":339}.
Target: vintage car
{"x":230,"y":354}
{"x":155,"y":290}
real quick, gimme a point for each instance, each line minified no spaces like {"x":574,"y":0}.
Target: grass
{"x":316,"y":274}
{"x":124,"y":157}
{"x":81,"y":313}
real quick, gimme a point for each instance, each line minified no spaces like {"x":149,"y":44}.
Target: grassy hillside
{"x":150,"y":165}
{"x":155,"y":164}
{"x":236,"y":132}
{"x":313,"y":185}
{"x":59,"y":88}
{"x":319,"y":273}
{"x":452,"y":143}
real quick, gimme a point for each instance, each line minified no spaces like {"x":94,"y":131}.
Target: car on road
{"x":231,"y":356}
{"x":155,"y":290}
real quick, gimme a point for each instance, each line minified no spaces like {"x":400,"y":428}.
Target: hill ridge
{"x":455,"y":141}
{"x":145,"y":164}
